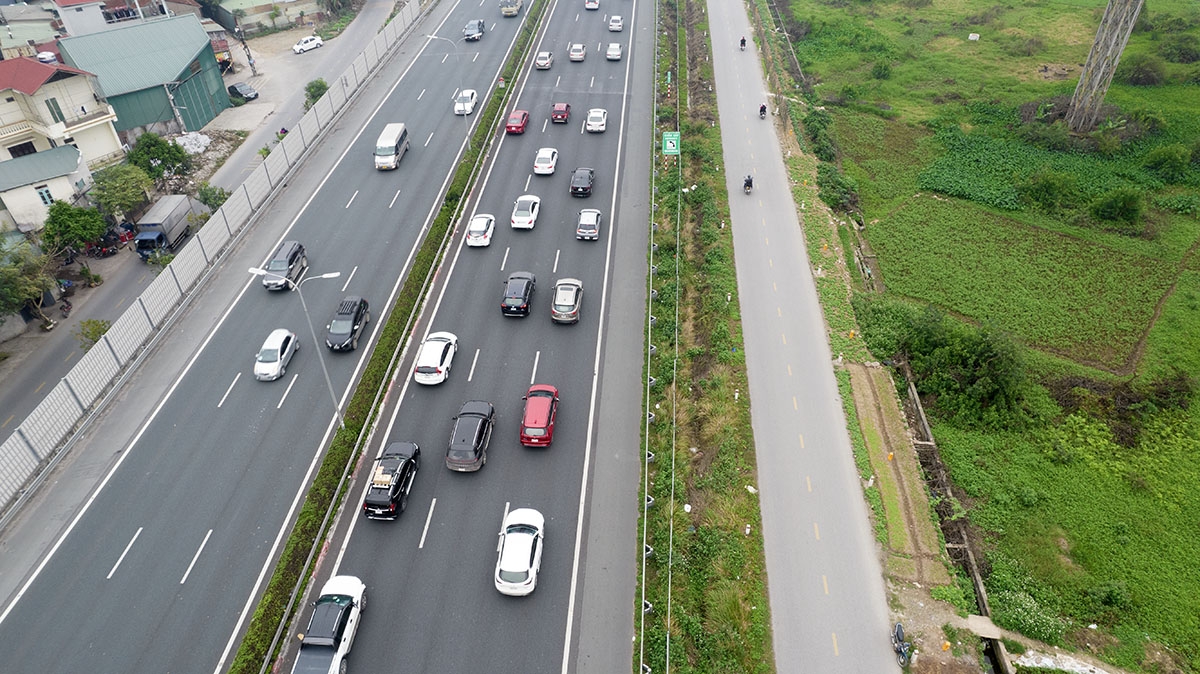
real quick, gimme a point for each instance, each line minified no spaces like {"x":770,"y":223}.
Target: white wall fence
{"x":38,"y":443}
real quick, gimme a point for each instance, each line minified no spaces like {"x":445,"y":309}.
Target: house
{"x":159,"y":76}
{"x":55,"y":128}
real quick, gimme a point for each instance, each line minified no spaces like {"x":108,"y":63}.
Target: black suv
{"x":474,"y":29}
{"x":581,"y":182}
{"x":351,"y":316}
{"x":288,"y":263}
{"x":470,"y":437}
{"x":391,"y":479}
{"x":518,"y":292}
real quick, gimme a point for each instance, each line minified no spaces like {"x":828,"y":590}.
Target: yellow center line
{"x":816,"y":531}
{"x":779,"y":311}
{"x":774,"y":287}
{"x":801,"y":441}
{"x":835,"y":646}
{"x":784,"y":337}
{"x":69,"y":356}
{"x":795,"y":405}
{"x":825,"y":582}
{"x":39,"y":388}
{"x":808,"y":482}
{"x":5,"y":424}
{"x":789,"y":367}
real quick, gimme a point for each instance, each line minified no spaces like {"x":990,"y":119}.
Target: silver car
{"x":273,"y":358}
{"x":568,"y":300}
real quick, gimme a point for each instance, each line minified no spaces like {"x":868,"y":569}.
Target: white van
{"x":391,"y":146}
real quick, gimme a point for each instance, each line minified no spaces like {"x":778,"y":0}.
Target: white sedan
{"x":616,"y":24}
{"x":545,"y":162}
{"x":480,"y":229}
{"x":543,"y":60}
{"x":597,"y":120}
{"x":614,"y":51}
{"x":465,"y":103}
{"x":307,"y":43}
{"x":525,"y":211}
{"x":520,"y":549}
{"x":435,"y":358}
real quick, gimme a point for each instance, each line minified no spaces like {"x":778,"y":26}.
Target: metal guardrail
{"x":50,"y":430}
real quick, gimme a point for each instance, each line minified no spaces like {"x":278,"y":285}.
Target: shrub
{"x":1054,"y":136}
{"x":1049,"y":190}
{"x":211,"y":195}
{"x":313,"y":91}
{"x":1169,"y":162}
{"x":817,"y":121}
{"x":839,"y":191}
{"x":1147,"y":122}
{"x":1123,"y":206}
{"x":1142,"y":70}
{"x":881,"y":71}
{"x":823,"y":146}
{"x":1180,"y":204}
{"x":1181,"y":48}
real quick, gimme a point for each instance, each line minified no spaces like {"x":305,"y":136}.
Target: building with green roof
{"x":159,"y":76}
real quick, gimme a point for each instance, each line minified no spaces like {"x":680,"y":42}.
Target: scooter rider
{"x":762,"y":110}
{"x":749,"y":183}
{"x":743,"y":43}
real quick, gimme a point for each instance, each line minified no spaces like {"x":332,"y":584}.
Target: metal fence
{"x":41,"y":438}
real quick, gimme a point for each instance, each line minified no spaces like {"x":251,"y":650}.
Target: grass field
{"x":943,"y":136}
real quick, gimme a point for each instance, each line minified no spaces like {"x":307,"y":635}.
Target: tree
{"x":89,"y":331}
{"x":24,"y":278}
{"x":70,"y":226}
{"x":211,"y":195}
{"x":120,"y":189}
{"x":158,"y":156}
{"x":313,"y":91}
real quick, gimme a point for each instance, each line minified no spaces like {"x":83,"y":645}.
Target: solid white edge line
{"x":587,"y":451}
{"x":195,"y":557}
{"x":123,"y":553}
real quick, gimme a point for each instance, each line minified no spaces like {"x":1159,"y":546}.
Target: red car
{"x":517,"y":121}
{"x":537,"y":423}
{"x":560,"y":113}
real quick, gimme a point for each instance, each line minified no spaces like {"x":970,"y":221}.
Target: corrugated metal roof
{"x":137,"y":56}
{"x":39,"y":166}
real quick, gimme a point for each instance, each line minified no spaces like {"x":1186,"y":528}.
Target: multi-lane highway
{"x":157,"y":571}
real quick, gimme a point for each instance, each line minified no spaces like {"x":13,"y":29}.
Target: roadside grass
{"x":294,"y":569}
{"x":1077,"y":528}
{"x":708,"y":555}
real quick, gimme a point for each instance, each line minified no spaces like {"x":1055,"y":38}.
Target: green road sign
{"x":670,"y":142}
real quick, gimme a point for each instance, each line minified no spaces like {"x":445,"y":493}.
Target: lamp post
{"x":308,"y":319}
{"x":458,"y":62}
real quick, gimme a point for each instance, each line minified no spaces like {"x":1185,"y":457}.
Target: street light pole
{"x":458,"y":62}
{"x":337,"y":410}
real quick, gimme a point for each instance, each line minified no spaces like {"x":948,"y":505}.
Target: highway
{"x":156,"y":571}
{"x":431,"y":571}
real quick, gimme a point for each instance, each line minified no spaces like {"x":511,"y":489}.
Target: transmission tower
{"x":1115,"y":27}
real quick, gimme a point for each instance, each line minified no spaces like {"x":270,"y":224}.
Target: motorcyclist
{"x":762,"y":110}
{"x":749,"y":182}
{"x":743,"y":42}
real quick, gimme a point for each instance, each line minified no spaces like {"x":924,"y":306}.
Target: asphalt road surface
{"x":157,"y":570}
{"x":828,"y":611}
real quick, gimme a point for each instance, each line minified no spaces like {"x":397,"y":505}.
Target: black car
{"x":470,"y":437}
{"x":351,"y":316}
{"x":391,"y":479}
{"x":474,"y":29}
{"x":243,"y":91}
{"x":518,"y":292}
{"x":581,"y":182}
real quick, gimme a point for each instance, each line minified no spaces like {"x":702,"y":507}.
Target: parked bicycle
{"x":902,"y":648}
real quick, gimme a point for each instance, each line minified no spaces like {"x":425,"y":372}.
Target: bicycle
{"x":902,"y":648}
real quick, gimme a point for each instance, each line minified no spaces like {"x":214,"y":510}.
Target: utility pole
{"x":1084,"y":112}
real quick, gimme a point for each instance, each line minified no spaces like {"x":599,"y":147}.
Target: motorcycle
{"x":66,"y":308}
{"x":762,"y":112}
{"x":748,"y":184}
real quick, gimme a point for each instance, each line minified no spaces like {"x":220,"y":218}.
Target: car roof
{"x":348,"y":305}
{"x":520,"y":275}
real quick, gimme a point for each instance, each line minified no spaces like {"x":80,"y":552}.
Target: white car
{"x":306,"y":44}
{"x":435,"y":358}
{"x":587,"y":226}
{"x":525,"y":211}
{"x":480,"y":229}
{"x":465,"y":103}
{"x":614,"y":51}
{"x":520,"y":548}
{"x":543,"y":60}
{"x":597,"y":120}
{"x":276,"y":352}
{"x":591,"y":4}
{"x":577,"y":51}
{"x":545,"y":162}
{"x":326,"y":643}
{"x":616,"y":24}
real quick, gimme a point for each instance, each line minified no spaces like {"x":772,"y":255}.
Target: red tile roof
{"x":27,"y":75}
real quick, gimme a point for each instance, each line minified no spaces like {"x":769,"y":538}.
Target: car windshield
{"x":341,"y":326}
{"x":595,"y":117}
{"x":268,"y":355}
{"x":277,"y":265}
